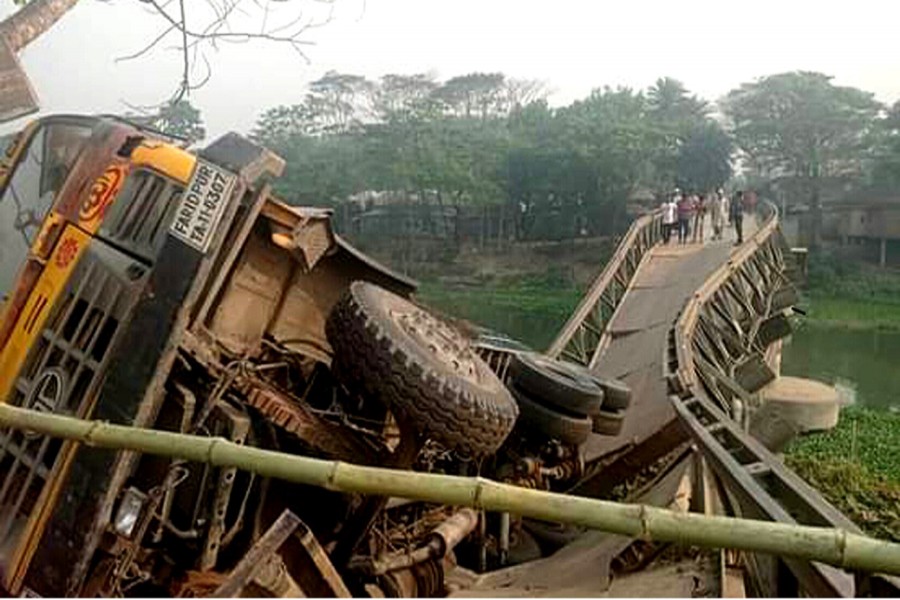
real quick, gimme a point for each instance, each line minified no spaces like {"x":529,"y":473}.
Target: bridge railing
{"x":584,"y":337}
{"x":716,"y":363}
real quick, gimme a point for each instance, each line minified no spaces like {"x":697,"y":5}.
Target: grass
{"x":870,"y":501}
{"x":865,"y":436}
{"x":531,"y":309}
{"x":856,"y":466}
{"x":529,"y":294}
{"x":851,"y":294}
{"x":853,"y":313}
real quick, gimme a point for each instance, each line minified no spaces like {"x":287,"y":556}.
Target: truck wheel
{"x":616,"y":393}
{"x":608,"y":422}
{"x":561,"y":384}
{"x":421,"y":368}
{"x":569,"y":429}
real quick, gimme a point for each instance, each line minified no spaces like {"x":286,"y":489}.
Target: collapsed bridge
{"x":249,"y":355}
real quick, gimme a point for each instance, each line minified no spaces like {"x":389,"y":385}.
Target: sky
{"x":572,"y":46}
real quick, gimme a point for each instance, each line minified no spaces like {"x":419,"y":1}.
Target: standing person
{"x":716,"y":214}
{"x":685,"y":212}
{"x":737,"y":216}
{"x":669,"y":216}
{"x":700,"y":207}
{"x":726,"y":208}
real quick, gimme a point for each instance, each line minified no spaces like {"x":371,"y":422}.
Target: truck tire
{"x":608,"y":422}
{"x":569,"y":429}
{"x":616,"y":393}
{"x":421,"y":368}
{"x":557,"y":383}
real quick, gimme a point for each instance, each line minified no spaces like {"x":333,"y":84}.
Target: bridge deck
{"x":640,"y":326}
{"x":659,"y":290}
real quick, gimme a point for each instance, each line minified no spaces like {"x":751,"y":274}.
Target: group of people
{"x":686,"y":213}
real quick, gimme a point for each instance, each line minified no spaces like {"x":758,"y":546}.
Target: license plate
{"x":202,"y":204}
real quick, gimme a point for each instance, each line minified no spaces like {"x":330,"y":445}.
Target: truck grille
{"x":140,"y":218}
{"x":61,"y":374}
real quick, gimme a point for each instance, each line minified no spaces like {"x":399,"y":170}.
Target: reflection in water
{"x":861,"y":363}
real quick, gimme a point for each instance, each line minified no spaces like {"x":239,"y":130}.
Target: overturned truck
{"x":152,"y":286}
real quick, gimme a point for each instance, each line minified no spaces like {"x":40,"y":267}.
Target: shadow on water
{"x":865,"y":361}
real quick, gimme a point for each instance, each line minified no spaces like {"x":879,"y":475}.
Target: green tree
{"x":474,"y":94}
{"x":668,"y":101}
{"x":704,"y":157}
{"x":406,"y":97}
{"x":609,"y":141}
{"x":180,"y":119}
{"x":484,"y":142}
{"x":680,"y":119}
{"x":278,"y":125}
{"x":803,"y":130}
{"x":886,"y":150}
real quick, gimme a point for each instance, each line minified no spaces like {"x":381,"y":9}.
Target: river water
{"x":865,"y":365}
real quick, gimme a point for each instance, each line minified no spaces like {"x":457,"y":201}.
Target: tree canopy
{"x":886,"y":150}
{"x":179,"y":119}
{"x":484,"y":139}
{"x":800,"y":130}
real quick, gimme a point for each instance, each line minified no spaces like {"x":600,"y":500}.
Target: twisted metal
{"x":716,"y":362}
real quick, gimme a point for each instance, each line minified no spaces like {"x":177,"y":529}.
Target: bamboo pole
{"x":832,"y":546}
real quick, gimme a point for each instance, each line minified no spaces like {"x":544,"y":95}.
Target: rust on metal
{"x":291,"y":415}
{"x":257,"y":556}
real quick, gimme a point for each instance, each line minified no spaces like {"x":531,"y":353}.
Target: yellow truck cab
{"x":127,"y":261}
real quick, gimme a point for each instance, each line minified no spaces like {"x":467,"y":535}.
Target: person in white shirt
{"x":669,"y":216}
{"x":726,"y":206}
{"x":717,"y":213}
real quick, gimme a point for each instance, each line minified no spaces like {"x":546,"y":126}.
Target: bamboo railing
{"x":833,"y":546}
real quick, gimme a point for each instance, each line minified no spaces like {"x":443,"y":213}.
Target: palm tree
{"x":669,"y":100}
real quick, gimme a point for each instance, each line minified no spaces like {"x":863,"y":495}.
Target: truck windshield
{"x":31,"y":189}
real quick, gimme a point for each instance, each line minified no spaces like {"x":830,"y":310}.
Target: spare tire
{"x":608,"y":422}
{"x":564,"y":385}
{"x":421,"y":368}
{"x":569,"y":429}
{"x":616,"y":393}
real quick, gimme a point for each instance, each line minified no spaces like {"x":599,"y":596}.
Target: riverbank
{"x":842,"y":293}
{"x":856,"y":466}
{"x":531,"y":309}
{"x":824,"y":310}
